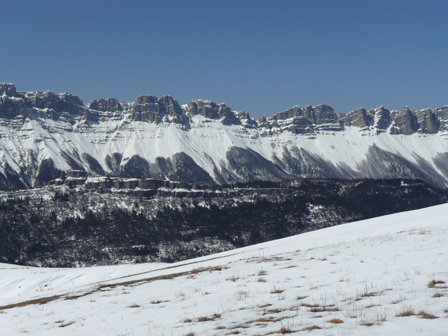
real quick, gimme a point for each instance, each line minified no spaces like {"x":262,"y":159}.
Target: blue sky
{"x":259,"y":56}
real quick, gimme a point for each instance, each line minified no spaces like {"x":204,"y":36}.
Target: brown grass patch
{"x":407,"y":312}
{"x":284,"y":330}
{"x":40,"y":301}
{"x":276,"y":290}
{"x":313,"y":327}
{"x":336,"y":321}
{"x":309,"y":305}
{"x":208,"y":318}
{"x":233,"y":278}
{"x":424,"y":314}
{"x":44,"y":300}
{"x":66,"y":324}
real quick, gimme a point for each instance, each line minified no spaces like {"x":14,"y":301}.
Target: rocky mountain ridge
{"x":148,"y":108}
{"x":44,"y":134}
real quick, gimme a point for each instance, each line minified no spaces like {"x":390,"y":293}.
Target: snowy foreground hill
{"x":383,"y":276}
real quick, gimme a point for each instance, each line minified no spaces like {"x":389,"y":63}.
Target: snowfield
{"x":207,"y":143}
{"x":383,"y":276}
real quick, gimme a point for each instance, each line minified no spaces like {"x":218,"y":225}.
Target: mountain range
{"x":43,"y":135}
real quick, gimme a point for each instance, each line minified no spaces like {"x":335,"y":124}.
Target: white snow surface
{"x":206,"y":142}
{"x":365,"y":274}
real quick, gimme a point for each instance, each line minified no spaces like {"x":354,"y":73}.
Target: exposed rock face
{"x":306,"y":121}
{"x":106,"y":105}
{"x":8,"y":89}
{"x":405,"y":122}
{"x":382,"y":118}
{"x":442,"y":115}
{"x":293,"y":112}
{"x":151,"y":109}
{"x":209,"y":109}
{"x":357,"y":118}
{"x":146,"y":108}
{"x":11,"y":108}
{"x":427,"y":121}
{"x":325,"y":115}
{"x":62,"y":102}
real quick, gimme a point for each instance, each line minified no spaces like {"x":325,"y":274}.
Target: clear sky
{"x":259,"y":56}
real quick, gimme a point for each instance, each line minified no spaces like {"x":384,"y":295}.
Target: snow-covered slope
{"x":43,"y":134}
{"x":382,"y":276}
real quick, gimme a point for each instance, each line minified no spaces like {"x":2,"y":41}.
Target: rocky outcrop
{"x":382,"y":118}
{"x":405,"y":122}
{"x":442,"y":116}
{"x":428,"y":122}
{"x":293,"y":112}
{"x":105,"y":105}
{"x":151,"y":109}
{"x":357,"y":118}
{"x":209,"y":109}
{"x":8,"y":89}
{"x":11,"y":108}
{"x":325,"y":115}
{"x":306,"y":121}
{"x":146,"y":108}
{"x":62,"y":102}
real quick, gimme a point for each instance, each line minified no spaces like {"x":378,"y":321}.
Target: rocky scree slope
{"x":43,"y":134}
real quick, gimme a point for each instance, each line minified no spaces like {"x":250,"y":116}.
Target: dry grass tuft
{"x":277,"y":290}
{"x":66,"y":324}
{"x":336,"y":321}
{"x":309,"y":305}
{"x":284,"y":330}
{"x":405,"y":310}
{"x":208,"y":318}
{"x":233,"y":278}
{"x":424,"y":314}
{"x":437,"y":295}
{"x":313,"y":327}
{"x":274,"y":311}
{"x":262,"y":272}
